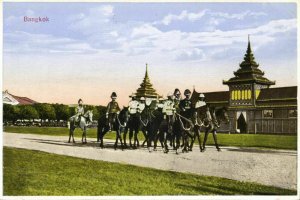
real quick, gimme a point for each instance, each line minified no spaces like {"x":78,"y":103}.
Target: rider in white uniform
{"x":141,"y":105}
{"x":133,"y":105}
{"x":201,"y":101}
{"x":79,"y":110}
{"x":169,"y":108}
{"x":160,"y":103}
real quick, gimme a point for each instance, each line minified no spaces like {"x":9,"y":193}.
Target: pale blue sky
{"x":103,"y":47}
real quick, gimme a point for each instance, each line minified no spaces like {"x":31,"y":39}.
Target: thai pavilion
{"x":253,"y":106}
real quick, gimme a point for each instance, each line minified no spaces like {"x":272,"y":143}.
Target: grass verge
{"x":28,"y":172}
{"x":239,"y":140}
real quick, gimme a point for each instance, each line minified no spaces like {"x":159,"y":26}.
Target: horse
{"x":83,"y":123}
{"x":150,"y":120}
{"x":198,"y":116}
{"x":119,"y":126}
{"x":185,"y":132}
{"x":165,"y":134}
{"x":211,"y":125}
{"x":133,"y":127}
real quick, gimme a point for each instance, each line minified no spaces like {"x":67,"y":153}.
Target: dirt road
{"x":268,"y":167}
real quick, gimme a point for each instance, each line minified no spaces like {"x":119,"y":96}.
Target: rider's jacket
{"x":199,"y":104}
{"x":185,"y":104}
{"x":169,"y":107}
{"x":79,"y":110}
{"x":133,"y":106}
{"x":113,"y":107}
{"x":141,"y":107}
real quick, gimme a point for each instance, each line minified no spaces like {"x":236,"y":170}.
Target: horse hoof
{"x":219,"y":149}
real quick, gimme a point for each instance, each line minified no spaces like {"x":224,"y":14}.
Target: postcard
{"x":154,"y":100}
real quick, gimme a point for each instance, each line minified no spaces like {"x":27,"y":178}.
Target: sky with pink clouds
{"x":88,"y":50}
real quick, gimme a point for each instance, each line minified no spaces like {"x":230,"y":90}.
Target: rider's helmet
{"x":80,"y":101}
{"x":142,"y":99}
{"x":133,"y":96}
{"x":177,"y":93}
{"x":113,"y":95}
{"x":161,"y":99}
{"x":187,"y":92}
{"x":201,"y":96}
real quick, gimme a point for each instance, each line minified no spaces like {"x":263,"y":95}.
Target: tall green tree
{"x":11,"y":113}
{"x":46,"y":111}
{"x":28,"y":112}
{"x":62,"y":112}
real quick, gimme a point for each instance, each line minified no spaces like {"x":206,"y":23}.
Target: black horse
{"x":212,"y":125}
{"x":165,"y":133}
{"x":133,"y":128}
{"x":118,"y":126}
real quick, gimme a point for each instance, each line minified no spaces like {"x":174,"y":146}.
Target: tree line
{"x":44,"y":112}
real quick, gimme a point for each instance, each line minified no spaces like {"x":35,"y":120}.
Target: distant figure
{"x":200,"y":101}
{"x":79,"y":111}
{"x":112,"y":111}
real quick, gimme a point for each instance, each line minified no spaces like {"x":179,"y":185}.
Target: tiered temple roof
{"x":146,"y":88}
{"x":249,"y":71}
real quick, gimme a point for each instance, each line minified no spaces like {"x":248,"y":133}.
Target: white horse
{"x":83,"y":123}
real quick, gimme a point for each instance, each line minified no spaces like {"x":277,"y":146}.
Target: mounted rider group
{"x":173,"y":121}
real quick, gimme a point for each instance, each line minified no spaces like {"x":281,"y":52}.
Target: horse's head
{"x":222,"y":115}
{"x":89,"y":115}
{"x":124,"y":115}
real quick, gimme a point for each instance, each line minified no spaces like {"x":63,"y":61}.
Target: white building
{"x":16,"y":100}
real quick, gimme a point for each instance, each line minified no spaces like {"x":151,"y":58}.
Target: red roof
{"x":24,"y":100}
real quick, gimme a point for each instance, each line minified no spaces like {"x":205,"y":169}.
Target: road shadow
{"x":93,"y":144}
{"x":268,"y":151}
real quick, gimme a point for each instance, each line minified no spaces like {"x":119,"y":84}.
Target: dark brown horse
{"x":211,"y":125}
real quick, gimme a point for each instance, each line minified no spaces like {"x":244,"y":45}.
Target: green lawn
{"x":239,"y":140}
{"x":34,"y":173}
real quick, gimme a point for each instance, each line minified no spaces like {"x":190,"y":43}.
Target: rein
{"x":123,"y":126}
{"x":144,"y":124}
{"x":180,"y":116}
{"x":186,"y":129}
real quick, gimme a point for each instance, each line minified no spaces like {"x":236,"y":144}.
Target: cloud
{"x":43,"y":43}
{"x":190,"y":54}
{"x":204,"y":45}
{"x":214,"y":17}
{"x":93,"y":21}
{"x":184,"y":15}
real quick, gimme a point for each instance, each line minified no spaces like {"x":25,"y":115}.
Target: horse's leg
{"x":166,"y":149}
{"x":205,"y":138}
{"x":70,"y":133}
{"x":198,"y":135}
{"x":73,"y":134}
{"x":145,"y":136}
{"x":130,"y":136}
{"x":215,"y":139}
{"x":117,"y":137}
{"x":85,"y":129}
{"x":124,"y":136}
{"x":136,"y":136}
{"x":120,"y":137}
